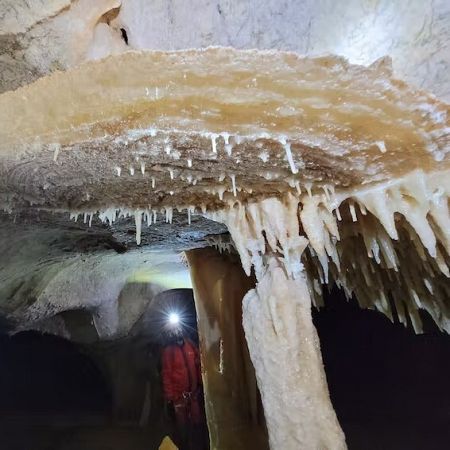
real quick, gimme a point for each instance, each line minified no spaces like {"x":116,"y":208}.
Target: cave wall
{"x":414,"y":33}
{"x":233,"y":407}
{"x":43,"y":36}
{"x":44,"y":273}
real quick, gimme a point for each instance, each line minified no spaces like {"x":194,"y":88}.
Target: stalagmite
{"x":283,"y":343}
{"x":285,"y":351}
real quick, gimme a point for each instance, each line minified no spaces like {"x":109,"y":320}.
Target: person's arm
{"x":166,"y":375}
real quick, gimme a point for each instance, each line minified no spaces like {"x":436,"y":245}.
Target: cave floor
{"x":19,"y":433}
{"x":90,"y":433}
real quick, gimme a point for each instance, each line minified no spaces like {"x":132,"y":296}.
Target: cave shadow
{"x":46,"y":375}
{"x":389,"y":387}
{"x":47,"y":385}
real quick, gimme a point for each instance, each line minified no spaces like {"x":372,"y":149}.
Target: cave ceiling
{"x":89,"y":145}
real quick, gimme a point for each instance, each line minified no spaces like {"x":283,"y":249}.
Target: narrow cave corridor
{"x":47,"y":376}
{"x":47,"y":386}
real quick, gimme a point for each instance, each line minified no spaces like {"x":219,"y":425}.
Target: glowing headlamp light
{"x":174,"y":319}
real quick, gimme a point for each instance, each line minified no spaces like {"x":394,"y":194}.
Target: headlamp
{"x":174,"y":319}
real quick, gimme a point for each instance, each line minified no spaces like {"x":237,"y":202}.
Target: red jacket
{"x":181,"y":372}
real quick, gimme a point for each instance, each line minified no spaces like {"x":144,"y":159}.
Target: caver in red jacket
{"x":181,"y":376}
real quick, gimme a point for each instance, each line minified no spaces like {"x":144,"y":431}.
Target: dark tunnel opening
{"x":171,"y":322}
{"x":387,"y":384}
{"x":47,"y":375}
{"x":47,"y":386}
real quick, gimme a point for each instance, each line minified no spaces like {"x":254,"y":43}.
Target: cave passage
{"x":47,"y":385}
{"x":47,"y":376}
{"x":218,"y":166}
{"x":61,"y":395}
{"x":387,"y":384}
